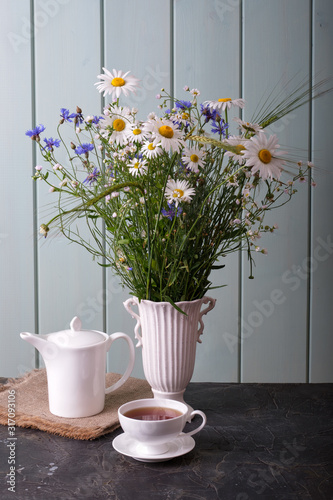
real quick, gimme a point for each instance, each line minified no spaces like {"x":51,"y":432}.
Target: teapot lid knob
{"x":76,"y":324}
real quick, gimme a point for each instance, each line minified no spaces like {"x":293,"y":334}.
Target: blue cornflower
{"x":97,"y":119}
{"x":183,"y":104}
{"x":92,"y":177}
{"x":172,"y":212}
{"x":78,"y":118}
{"x":84,"y":148}
{"x":209,"y":114}
{"x":219,"y":127}
{"x":50,"y":143}
{"x":35,"y":131}
{"x":66,"y":116}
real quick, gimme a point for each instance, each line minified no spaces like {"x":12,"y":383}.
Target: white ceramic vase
{"x":168,"y":339}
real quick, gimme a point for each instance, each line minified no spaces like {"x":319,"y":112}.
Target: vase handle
{"x":211,"y":306}
{"x":133,"y":301}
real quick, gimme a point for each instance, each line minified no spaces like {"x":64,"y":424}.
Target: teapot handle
{"x":134,"y":302}
{"x":211,"y":306}
{"x":130,"y":366}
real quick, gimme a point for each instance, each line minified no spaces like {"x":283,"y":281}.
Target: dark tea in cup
{"x":153,"y":413}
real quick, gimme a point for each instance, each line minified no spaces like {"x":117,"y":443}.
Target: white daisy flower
{"x":135,"y":133}
{"x":238,"y":143}
{"x":117,"y":126}
{"x":150,"y":150}
{"x":120,"y":131}
{"x":110,"y":114}
{"x":225,"y":103}
{"x":193,"y":158}
{"x":182,"y":117}
{"x":116,"y":82}
{"x":261,"y":154}
{"x":247,"y":127}
{"x":177,"y":191}
{"x":232,"y":181}
{"x":195,"y":92}
{"x":138,"y":166}
{"x":164,"y":132}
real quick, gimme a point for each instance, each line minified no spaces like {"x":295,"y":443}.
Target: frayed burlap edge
{"x":135,"y":389}
{"x":63,"y":430}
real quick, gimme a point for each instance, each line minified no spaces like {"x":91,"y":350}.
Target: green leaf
{"x":104,"y":265}
{"x":168,"y":299}
{"x":213,"y":287}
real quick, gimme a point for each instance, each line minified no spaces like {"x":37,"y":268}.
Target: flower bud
{"x":44,"y":229}
{"x":78,"y":110}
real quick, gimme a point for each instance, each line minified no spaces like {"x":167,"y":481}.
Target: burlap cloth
{"x":32,"y":406}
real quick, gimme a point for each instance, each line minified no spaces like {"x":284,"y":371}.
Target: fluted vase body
{"x":168,"y":339}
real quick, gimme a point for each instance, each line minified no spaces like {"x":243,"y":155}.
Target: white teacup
{"x":153,"y":423}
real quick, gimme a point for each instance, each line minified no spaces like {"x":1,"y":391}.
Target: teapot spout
{"x":38,"y":342}
{"x":48,"y":350}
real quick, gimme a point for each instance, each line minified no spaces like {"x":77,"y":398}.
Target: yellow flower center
{"x":265,"y":156}
{"x":194,"y":158}
{"x":137,"y":131}
{"x":239,"y":149}
{"x":151,"y":147}
{"x":118,"y":82}
{"x":178,"y":193}
{"x":166,"y":131}
{"x":137,"y":165}
{"x":226,"y":99}
{"x":185,"y":116}
{"x":119,"y":124}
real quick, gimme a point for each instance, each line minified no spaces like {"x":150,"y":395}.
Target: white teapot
{"x":75,"y":363}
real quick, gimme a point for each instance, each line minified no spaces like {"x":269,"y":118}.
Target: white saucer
{"x":126,"y":445}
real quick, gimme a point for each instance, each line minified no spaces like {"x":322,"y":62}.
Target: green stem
{"x":96,"y":199}
{"x":150,"y":256}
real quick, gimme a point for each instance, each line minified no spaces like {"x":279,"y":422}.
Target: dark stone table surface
{"x":261,"y":441}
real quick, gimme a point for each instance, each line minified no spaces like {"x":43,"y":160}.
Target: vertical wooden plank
{"x":67,"y":64}
{"x":16,"y":194}
{"x":207,"y":57}
{"x":137,"y":39}
{"x":321,"y":260}
{"x":274,"y":317}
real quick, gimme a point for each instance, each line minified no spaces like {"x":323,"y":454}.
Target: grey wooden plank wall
{"x":275,"y":328}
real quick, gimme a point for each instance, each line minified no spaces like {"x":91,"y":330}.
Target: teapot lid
{"x":75,"y":337}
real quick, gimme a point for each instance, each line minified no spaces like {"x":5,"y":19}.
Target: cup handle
{"x":134,"y":302}
{"x":204,"y":421}
{"x":130,"y":366}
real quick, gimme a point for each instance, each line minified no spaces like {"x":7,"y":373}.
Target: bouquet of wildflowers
{"x":165,"y":199}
